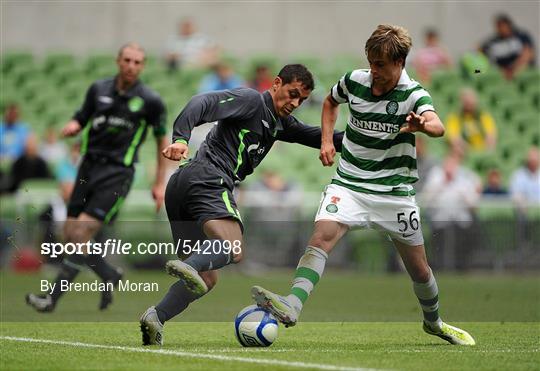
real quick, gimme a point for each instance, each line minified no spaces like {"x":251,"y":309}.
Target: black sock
{"x":69,"y":269}
{"x":175,"y":301}
{"x":210,"y":259}
{"x":104,"y":270}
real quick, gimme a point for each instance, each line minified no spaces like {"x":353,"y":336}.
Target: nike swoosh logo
{"x":407,"y":235}
{"x":266,"y":124}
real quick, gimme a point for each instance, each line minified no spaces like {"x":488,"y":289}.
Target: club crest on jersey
{"x":332,"y":208}
{"x":392,"y":107}
{"x":135,"y":104}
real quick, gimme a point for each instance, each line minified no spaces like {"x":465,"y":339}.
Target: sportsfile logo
{"x":119,"y":247}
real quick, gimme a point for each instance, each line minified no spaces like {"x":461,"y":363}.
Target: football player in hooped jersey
{"x":199,"y":196}
{"x":372,"y":187}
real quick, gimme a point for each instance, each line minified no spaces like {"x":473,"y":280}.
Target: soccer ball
{"x":255,"y":327}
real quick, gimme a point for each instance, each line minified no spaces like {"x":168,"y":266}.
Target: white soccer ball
{"x":255,"y":327}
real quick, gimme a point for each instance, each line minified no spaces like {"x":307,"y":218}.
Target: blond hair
{"x":388,"y":40}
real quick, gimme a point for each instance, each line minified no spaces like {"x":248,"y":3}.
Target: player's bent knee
{"x":210,"y":278}
{"x":237,"y":257}
{"x":420,"y":274}
{"x":322,"y":241}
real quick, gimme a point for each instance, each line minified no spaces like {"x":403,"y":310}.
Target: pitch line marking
{"x":274,"y":362}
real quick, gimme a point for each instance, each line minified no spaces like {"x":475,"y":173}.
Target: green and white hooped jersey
{"x":375,"y":157}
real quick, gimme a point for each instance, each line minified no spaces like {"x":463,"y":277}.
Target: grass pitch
{"x":351,"y":322}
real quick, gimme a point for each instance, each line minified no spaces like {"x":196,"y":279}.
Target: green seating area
{"x":50,"y":88}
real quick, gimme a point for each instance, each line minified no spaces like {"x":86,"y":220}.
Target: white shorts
{"x":398,"y":216}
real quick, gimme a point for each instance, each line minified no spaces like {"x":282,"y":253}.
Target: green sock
{"x":308,"y":272}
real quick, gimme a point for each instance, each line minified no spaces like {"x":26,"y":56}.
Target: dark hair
{"x":431,"y":32}
{"x":297,"y":72}
{"x":504,"y":18}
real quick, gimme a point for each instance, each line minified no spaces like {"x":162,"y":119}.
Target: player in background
{"x":113,"y":120}
{"x":372,"y":187}
{"x":199,"y":196}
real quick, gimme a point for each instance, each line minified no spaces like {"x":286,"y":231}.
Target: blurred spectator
{"x":525,"y":192}
{"x":525,"y":183}
{"x":29,"y":166}
{"x":431,"y":57}
{"x":451,"y":193}
{"x":66,"y":171}
{"x":278,"y":199}
{"x":222,"y":78}
{"x":55,"y":213}
{"x":494,"y":185}
{"x":13,"y":134}
{"x":52,"y":150}
{"x":190,"y":47}
{"x":272,"y":208}
{"x":511,"y":49}
{"x":424,"y":162}
{"x":262,"y":79}
{"x":471,"y":127}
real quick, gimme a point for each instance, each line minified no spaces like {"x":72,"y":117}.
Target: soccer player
{"x":114,"y":119}
{"x":199,"y":196}
{"x":372,"y":185}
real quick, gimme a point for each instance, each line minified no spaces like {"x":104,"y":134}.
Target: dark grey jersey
{"x":247,"y":127}
{"x":114,"y":124}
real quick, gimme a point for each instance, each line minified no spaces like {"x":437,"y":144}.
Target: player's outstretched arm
{"x":428,"y":123}
{"x":296,"y":131}
{"x":328,"y":122}
{"x":237,"y":103}
{"x":83,"y":115}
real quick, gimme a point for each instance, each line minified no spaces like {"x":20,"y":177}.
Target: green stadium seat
{"x":442,"y":79}
{"x":527,"y":122}
{"x":104,"y":72}
{"x":10,"y":92}
{"x":499,"y":91}
{"x":534,"y":139}
{"x":22,"y":73}
{"x":156,"y":74}
{"x":37,"y":86}
{"x":510,"y":108}
{"x":58,"y":114}
{"x":63,"y":75}
{"x":12,"y":59}
{"x":482,"y":81}
{"x":481,"y":162}
{"x":96,"y":62}
{"x":152,"y":61}
{"x":528,"y":78}
{"x":533,"y":94}
{"x":58,"y":61}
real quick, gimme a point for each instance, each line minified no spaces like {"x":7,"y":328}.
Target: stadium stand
{"x":50,"y":88}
